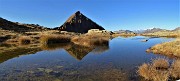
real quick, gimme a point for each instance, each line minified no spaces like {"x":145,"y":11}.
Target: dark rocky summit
{"x":79,"y":23}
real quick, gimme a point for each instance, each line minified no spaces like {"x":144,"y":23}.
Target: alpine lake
{"x":117,"y":61}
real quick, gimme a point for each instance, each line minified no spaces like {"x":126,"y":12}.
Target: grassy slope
{"x":168,"y":48}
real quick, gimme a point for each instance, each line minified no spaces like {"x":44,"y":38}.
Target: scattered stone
{"x":30,"y":72}
{"x":145,"y":40}
{"x":41,"y":69}
{"x":48,"y":70}
{"x":59,"y":67}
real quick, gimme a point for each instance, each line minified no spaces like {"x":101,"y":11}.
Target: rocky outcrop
{"x":79,"y":23}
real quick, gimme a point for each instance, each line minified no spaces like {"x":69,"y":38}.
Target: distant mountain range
{"x":153,"y":30}
{"x":124,"y":31}
{"x":156,"y":30}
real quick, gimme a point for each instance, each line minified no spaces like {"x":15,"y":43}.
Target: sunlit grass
{"x":90,"y":40}
{"x":24,"y":40}
{"x":160,"y":63}
{"x":159,"y":70}
{"x":175,"y":69}
{"x":52,"y":39}
{"x":168,"y":48}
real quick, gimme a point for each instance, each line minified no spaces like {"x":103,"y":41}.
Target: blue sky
{"x":111,"y":14}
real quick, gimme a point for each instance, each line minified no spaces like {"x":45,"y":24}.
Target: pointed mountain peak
{"x":78,"y":12}
{"x":79,"y":23}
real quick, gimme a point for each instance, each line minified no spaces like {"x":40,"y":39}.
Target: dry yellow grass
{"x":145,"y":71}
{"x":54,"y":38}
{"x":168,"y":48}
{"x":90,"y":40}
{"x":151,"y":72}
{"x":24,"y":40}
{"x":160,"y":63}
{"x":175,"y":69}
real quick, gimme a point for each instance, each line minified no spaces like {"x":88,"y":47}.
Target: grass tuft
{"x":24,"y":40}
{"x":175,"y":69}
{"x":90,"y":40}
{"x":159,"y":70}
{"x":160,"y":63}
{"x":53,"y":39}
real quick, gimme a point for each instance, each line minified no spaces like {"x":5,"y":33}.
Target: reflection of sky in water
{"x":123,"y":54}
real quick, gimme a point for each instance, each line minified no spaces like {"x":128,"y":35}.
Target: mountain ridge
{"x":20,"y":27}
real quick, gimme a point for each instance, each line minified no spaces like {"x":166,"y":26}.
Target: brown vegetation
{"x":51,"y":39}
{"x":165,"y":73}
{"x":175,"y":69}
{"x":90,"y":40}
{"x":24,"y":40}
{"x":160,"y":63}
{"x":168,"y":48}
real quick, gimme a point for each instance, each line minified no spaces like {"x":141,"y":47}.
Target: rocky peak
{"x":79,"y":23}
{"x":78,"y":13}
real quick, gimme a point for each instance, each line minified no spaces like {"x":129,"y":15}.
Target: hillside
{"x":19,"y":27}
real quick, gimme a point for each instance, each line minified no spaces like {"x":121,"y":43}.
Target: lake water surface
{"x":117,"y":61}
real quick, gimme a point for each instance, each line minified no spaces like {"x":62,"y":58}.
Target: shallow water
{"x":117,"y":61}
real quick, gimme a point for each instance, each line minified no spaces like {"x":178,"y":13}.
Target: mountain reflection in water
{"x":77,"y":51}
